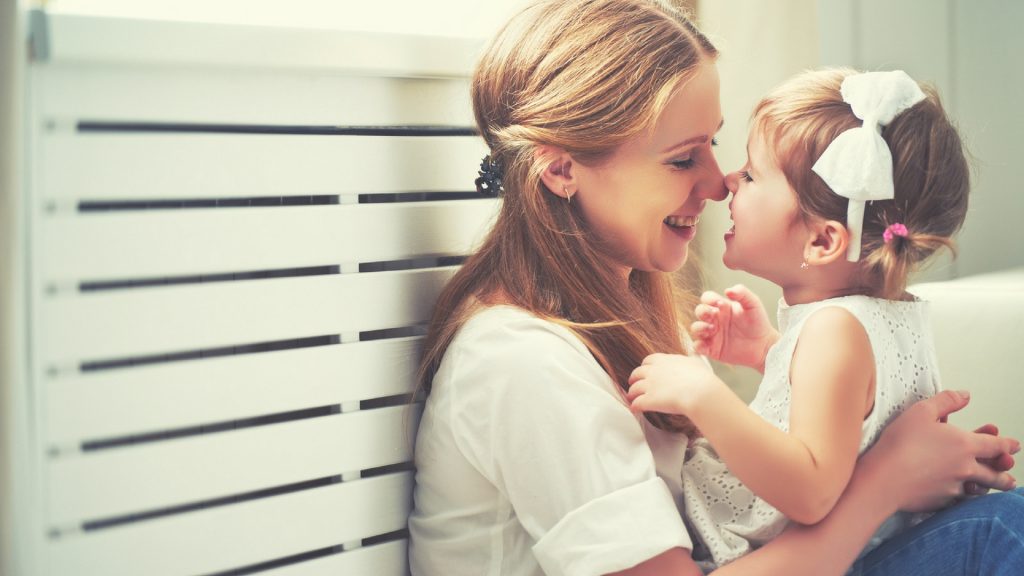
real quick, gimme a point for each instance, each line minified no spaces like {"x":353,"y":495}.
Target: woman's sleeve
{"x":538,"y":417}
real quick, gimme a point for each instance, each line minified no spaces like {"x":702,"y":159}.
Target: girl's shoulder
{"x":866,"y":309}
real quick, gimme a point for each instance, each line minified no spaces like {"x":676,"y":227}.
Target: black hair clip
{"x":489,"y":182}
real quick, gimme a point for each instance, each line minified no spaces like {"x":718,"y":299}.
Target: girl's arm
{"x":918,"y":464}
{"x":803,"y":472}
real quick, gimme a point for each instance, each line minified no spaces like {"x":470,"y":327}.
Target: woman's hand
{"x":733,"y":328}
{"x":923,"y":463}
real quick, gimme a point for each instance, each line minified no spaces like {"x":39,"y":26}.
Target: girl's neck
{"x":805,"y":294}
{"x":833,"y":280}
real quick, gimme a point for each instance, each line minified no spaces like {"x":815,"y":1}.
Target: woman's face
{"x":645,"y":200}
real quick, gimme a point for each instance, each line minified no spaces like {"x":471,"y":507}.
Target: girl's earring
{"x":804,"y":265}
{"x":568,"y":196}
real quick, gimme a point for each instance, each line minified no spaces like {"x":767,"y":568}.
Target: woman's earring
{"x":568,"y":196}
{"x":804,"y":265}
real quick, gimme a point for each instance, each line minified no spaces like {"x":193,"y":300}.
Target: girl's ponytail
{"x":897,"y":258}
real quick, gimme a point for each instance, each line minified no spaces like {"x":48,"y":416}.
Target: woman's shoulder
{"x":506,"y":345}
{"x":504,"y":328}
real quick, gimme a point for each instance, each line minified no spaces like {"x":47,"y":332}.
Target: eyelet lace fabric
{"x":726,"y":518}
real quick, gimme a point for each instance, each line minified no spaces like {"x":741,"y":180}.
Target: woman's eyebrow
{"x":693,"y":140}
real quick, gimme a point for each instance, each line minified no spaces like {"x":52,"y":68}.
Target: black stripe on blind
{"x":214,"y":128}
{"x":90,"y":206}
{"x":364,"y":267}
{"x":94,"y":206}
{"x":92,"y":525}
{"x":202,"y":353}
{"x":402,"y":534}
{"x":211,"y":428}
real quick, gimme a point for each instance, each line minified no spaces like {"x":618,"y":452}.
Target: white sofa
{"x":979,"y":326}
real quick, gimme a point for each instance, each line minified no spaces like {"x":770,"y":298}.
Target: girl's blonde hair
{"x":583,"y":76}
{"x":931,"y":177}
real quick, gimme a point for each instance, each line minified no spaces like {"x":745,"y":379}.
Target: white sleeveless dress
{"x":727,"y":519}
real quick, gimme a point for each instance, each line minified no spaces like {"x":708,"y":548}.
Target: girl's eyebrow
{"x":694,"y":140}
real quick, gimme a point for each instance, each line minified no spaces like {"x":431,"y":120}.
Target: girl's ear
{"x":827,"y":243}
{"x":558,"y":173}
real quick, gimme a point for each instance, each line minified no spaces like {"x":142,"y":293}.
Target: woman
{"x":600,"y":116}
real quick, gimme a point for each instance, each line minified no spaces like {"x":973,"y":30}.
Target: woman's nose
{"x":732,"y":181}
{"x":714,"y":187}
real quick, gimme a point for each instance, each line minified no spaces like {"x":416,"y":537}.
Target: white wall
{"x":13,"y":429}
{"x":970,"y":50}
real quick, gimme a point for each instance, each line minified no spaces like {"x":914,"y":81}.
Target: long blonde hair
{"x":583,"y":76}
{"x":931,"y":175}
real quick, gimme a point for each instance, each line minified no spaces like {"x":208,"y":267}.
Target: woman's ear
{"x":827,"y":243}
{"x":558,"y":173}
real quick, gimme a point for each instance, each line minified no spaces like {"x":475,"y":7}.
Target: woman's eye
{"x":682,"y":164}
{"x":745,"y":176}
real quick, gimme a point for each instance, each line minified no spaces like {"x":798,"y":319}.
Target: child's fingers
{"x":742,"y":295}
{"x":636,"y":374}
{"x":640,"y":404}
{"x":636,"y":390}
{"x":709,"y":297}
{"x":702,"y":330}
{"x":706,"y":312}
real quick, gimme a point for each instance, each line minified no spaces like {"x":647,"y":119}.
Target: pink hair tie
{"x":894,"y":230}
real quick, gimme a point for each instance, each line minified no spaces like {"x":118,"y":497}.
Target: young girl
{"x":852,"y":180}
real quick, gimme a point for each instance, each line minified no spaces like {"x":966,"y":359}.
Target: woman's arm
{"x":919,"y":463}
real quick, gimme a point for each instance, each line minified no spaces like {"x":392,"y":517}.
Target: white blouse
{"x":529,"y":462}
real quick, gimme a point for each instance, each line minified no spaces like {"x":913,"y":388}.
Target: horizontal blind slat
{"x":156,"y":42}
{"x":183,"y":394}
{"x":225,"y":95}
{"x":222,"y":538}
{"x":193,"y":242}
{"x":133,"y":479}
{"x":198,"y":166}
{"x":162,"y":320}
{"x":387,"y":559}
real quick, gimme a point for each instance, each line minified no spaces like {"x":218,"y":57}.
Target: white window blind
{"x":236,"y":235}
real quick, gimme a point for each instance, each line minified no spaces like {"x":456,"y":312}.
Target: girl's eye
{"x":683,"y":164}
{"x":745,"y":176}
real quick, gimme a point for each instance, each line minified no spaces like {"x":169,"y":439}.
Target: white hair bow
{"x":858,"y":164}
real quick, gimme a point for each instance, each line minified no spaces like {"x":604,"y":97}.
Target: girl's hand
{"x":733,"y":328}
{"x":671,"y":383}
{"x":924,"y":463}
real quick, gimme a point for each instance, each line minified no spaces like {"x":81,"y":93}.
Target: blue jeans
{"x":982,"y":536}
